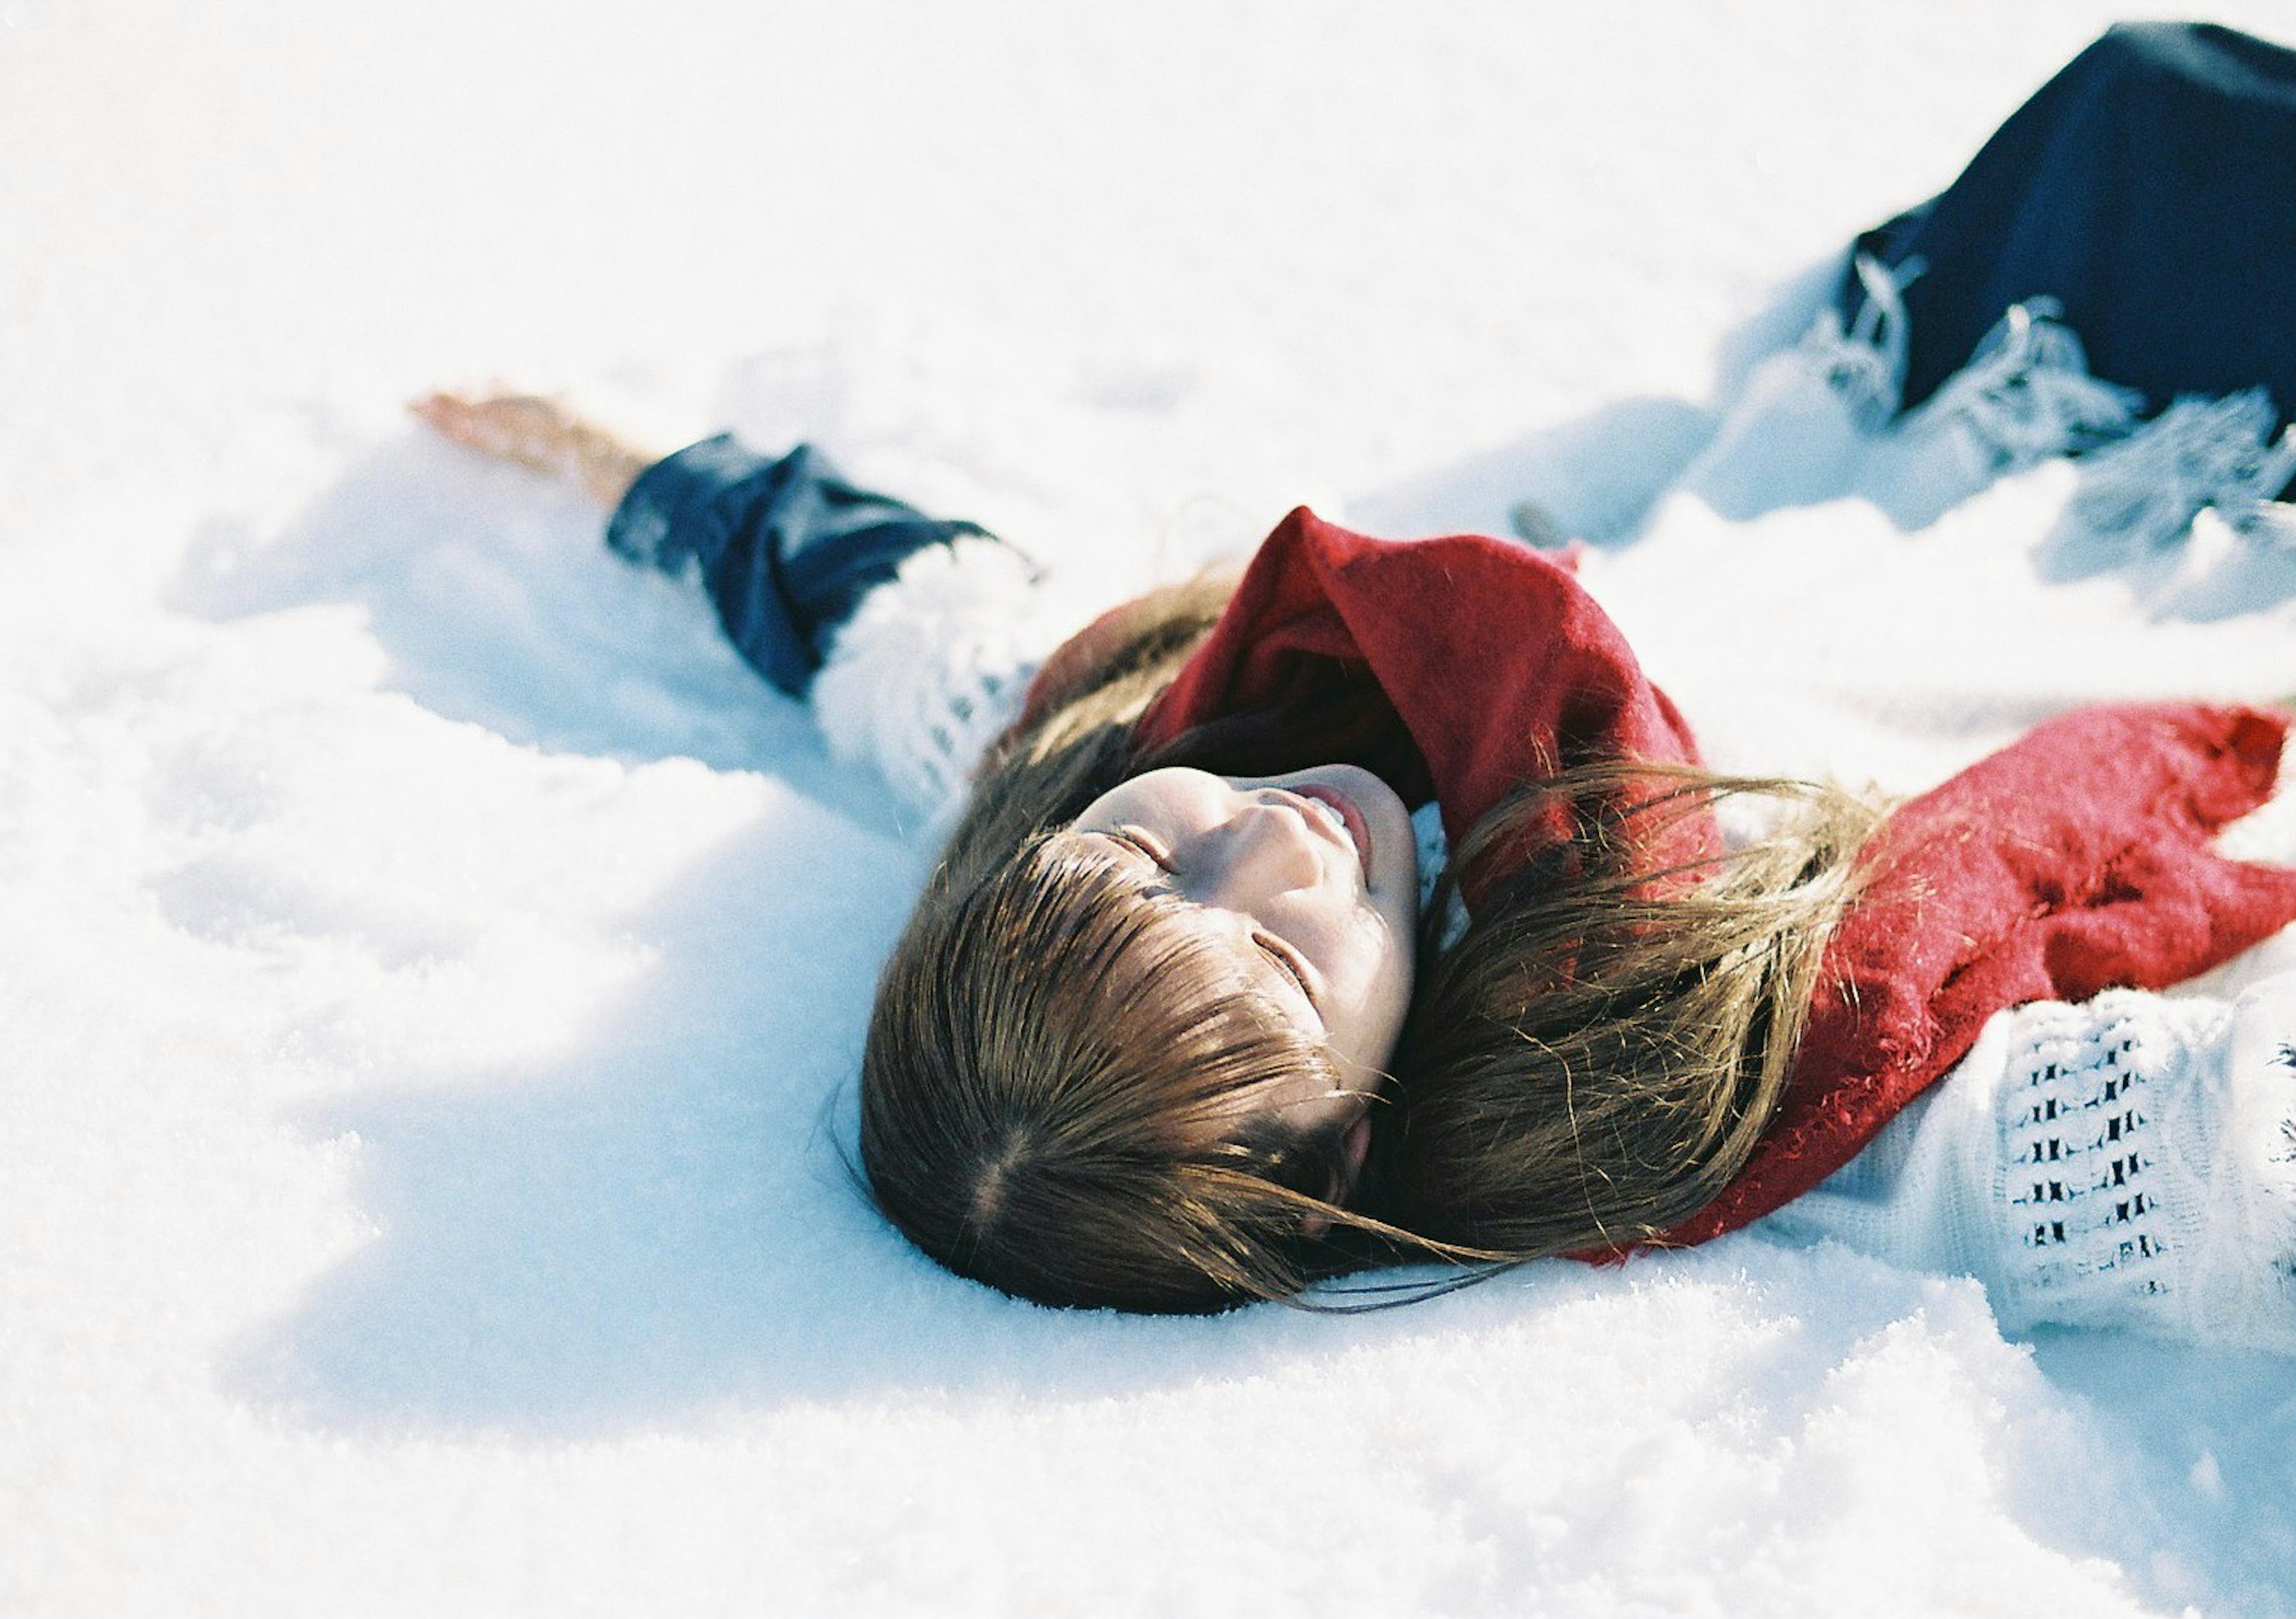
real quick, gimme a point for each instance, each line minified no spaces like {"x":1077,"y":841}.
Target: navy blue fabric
{"x":787,"y":547}
{"x":2151,"y":188}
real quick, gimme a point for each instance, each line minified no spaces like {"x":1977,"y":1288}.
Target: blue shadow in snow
{"x":660,"y":1219}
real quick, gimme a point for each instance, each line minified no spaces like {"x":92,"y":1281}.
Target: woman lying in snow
{"x":1183,"y":1020}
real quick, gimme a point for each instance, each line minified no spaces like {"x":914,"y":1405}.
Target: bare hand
{"x":540,"y":434}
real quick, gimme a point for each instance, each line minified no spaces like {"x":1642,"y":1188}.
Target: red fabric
{"x":2077,"y":859}
{"x":1492,"y":660}
{"x":2074,"y":860}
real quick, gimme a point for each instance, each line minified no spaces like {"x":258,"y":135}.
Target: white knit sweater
{"x":2126,"y":1161}
{"x":2129,"y":1162}
{"x":933,"y":666}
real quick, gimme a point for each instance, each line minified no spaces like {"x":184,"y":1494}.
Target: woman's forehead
{"x":1172,"y":785}
{"x":1127,"y":875}
{"x":1168,"y":918}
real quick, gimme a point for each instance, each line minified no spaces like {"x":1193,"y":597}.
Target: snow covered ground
{"x":433,"y":967}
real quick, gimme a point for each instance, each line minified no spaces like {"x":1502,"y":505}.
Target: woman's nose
{"x":1263,"y":850}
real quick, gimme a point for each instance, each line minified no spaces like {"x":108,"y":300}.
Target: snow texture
{"x":435,"y":967}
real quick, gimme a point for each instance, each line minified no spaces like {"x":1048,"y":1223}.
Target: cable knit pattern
{"x":2105,"y":1125}
{"x":933,"y":667}
{"x":2128,"y":1162}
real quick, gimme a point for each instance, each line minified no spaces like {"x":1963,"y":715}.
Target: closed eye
{"x":1138,"y":841}
{"x":1284,"y":957}
{"x":1286,"y":960}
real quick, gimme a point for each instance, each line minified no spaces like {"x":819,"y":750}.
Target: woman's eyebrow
{"x":1159,"y":892}
{"x":1135,"y":863}
{"x":1131,"y":845}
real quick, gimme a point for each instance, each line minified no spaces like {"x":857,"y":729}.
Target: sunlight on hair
{"x":1060,"y":1096}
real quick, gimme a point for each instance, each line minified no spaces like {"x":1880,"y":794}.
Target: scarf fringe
{"x":1864,"y":366}
{"x":1823,"y":418}
{"x":2025,"y":395}
{"x":1810,"y":413}
{"x":2145,"y":490}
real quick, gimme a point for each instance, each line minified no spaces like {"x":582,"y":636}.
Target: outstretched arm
{"x":915,"y":637}
{"x":541,"y":434}
{"x":2121,"y":1163}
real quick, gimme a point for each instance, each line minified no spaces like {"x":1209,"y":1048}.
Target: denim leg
{"x":787,"y":548}
{"x":2150,"y":187}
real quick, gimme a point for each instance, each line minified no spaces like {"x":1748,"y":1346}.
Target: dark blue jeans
{"x":787,"y":547}
{"x":2150,"y":188}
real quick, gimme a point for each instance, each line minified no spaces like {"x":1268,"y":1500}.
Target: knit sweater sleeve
{"x":915,"y":637}
{"x":933,"y":666}
{"x":2128,"y":1162}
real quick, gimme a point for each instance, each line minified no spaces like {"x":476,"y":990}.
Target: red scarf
{"x":1479,"y":660}
{"x":2077,"y":859}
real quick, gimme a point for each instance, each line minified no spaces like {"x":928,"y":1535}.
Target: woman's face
{"x":1312,"y":880}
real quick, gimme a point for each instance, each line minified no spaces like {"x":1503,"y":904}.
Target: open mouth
{"x":1340,"y":812}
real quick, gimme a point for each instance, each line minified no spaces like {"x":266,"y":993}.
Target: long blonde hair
{"x":1057,"y":1093}
{"x":1595,"y":1056}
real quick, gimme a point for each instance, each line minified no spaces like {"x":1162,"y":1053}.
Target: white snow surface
{"x":434,"y":967}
